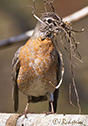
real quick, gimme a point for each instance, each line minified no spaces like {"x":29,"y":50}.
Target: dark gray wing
{"x":14,"y":75}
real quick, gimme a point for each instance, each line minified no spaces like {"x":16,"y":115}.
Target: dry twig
{"x":22,"y":37}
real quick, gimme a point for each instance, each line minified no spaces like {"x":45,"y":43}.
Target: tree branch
{"x":16,"y":39}
{"x":77,"y":15}
{"x":22,"y":37}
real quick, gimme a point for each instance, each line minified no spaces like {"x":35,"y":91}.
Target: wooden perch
{"x":71,"y":18}
{"x":43,"y":120}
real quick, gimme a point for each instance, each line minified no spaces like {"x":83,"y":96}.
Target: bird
{"x":37,"y":66}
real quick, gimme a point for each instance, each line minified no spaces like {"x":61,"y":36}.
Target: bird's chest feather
{"x":38,"y":63}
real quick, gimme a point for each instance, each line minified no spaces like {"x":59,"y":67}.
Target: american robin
{"x":37,"y":67}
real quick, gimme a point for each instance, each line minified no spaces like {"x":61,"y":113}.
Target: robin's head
{"x":48,"y":25}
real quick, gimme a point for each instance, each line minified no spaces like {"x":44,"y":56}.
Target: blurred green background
{"x":16,"y":18}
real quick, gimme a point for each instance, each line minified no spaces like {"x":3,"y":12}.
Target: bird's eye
{"x":49,"y":21}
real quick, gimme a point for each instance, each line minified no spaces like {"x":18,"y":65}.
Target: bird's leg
{"x":26,"y":108}
{"x":51,"y":106}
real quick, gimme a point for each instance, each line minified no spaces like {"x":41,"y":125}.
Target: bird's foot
{"x":47,"y":113}
{"x":27,"y":112}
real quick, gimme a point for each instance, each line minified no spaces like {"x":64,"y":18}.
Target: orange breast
{"x":36,"y":59}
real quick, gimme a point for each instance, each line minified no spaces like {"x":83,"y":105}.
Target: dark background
{"x":16,"y":18}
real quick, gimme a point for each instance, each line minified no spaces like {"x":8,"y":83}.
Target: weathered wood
{"x":43,"y":120}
